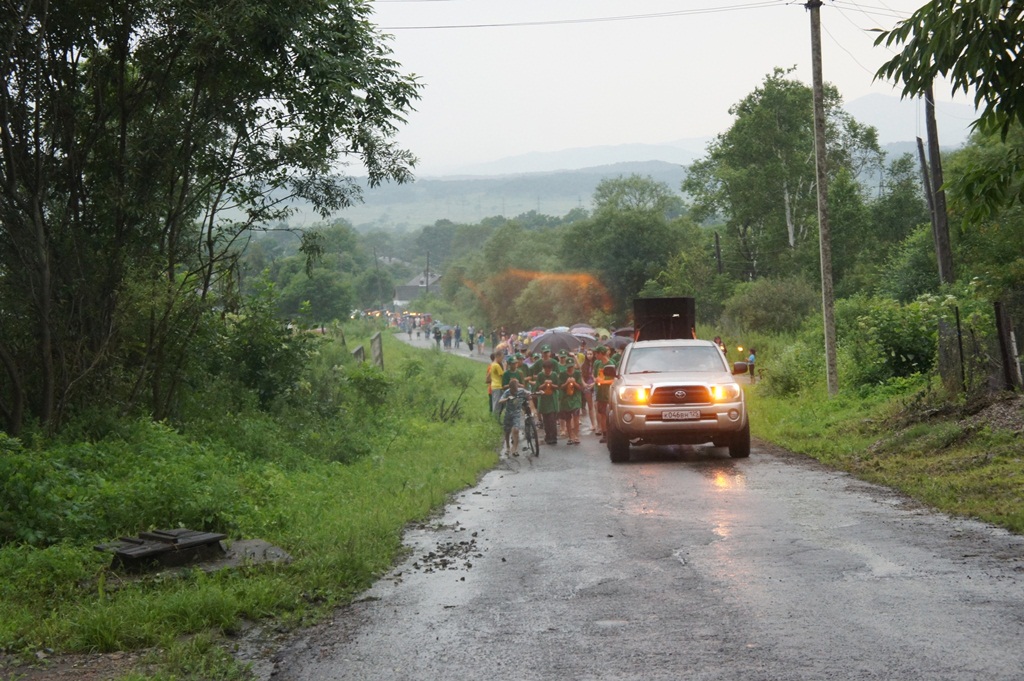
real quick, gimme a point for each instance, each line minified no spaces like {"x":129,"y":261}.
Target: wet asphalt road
{"x":682,"y":564}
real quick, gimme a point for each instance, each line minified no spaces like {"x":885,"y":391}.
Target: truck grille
{"x":681,"y":394}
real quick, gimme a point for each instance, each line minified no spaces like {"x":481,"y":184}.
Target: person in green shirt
{"x":545,"y":354}
{"x":571,"y":399}
{"x":513,"y":369}
{"x":563,"y":416}
{"x":547,"y":388}
{"x":603,"y":385}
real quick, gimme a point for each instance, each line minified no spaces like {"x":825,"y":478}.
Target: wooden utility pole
{"x":940,"y":221}
{"x":824,"y":232}
{"x":718,"y":252}
{"x":926,"y":181}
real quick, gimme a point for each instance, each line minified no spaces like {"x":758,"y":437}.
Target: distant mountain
{"x":555,"y":182}
{"x":468,"y":199}
{"x":681,"y":152}
{"x":902,"y":120}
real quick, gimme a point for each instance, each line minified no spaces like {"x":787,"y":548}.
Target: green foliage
{"x":990,"y":244}
{"x":975,"y":46}
{"x":628,"y":240}
{"x":152,"y":477}
{"x":796,"y":368}
{"x":197,"y":657}
{"x":318,"y":297}
{"x":759,"y":177}
{"x":771,"y":305}
{"x":692,"y":271}
{"x":165,"y":134}
{"x":255,"y":473}
{"x":911,"y":269}
{"x":883,"y":339}
{"x":260,"y":352}
{"x":372,"y":385}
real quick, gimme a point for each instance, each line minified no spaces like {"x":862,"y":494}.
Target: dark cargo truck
{"x":661,"y":318}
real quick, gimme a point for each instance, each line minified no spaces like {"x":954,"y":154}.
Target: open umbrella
{"x":585,"y":329}
{"x":556,"y":340}
{"x":617,"y":342}
{"x":624,"y":331}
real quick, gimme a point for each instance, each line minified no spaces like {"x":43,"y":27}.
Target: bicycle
{"x":530,"y":433}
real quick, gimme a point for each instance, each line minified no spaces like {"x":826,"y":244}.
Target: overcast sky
{"x":508,"y":77}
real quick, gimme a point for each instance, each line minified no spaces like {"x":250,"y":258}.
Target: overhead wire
{"x":863,"y":9}
{"x":591,"y":20}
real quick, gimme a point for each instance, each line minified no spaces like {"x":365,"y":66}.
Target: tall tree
{"x":629,"y":238}
{"x":141,"y":140}
{"x":978,"y":47}
{"x":759,"y":176}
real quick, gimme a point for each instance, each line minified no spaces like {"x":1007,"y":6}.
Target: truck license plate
{"x":681,"y":415}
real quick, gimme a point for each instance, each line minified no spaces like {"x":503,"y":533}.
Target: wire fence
{"x":979,"y":359}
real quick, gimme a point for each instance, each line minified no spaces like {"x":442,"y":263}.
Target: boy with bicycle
{"x":514,"y":401}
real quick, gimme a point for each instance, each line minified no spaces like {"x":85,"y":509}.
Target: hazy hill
{"x":467,"y":199}
{"x":555,"y":182}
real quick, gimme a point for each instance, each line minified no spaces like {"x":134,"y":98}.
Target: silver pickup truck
{"x":677,"y":391}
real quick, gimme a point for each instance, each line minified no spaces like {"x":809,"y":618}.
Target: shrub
{"x":148,"y":477}
{"x":795,"y":368}
{"x":883,"y":339}
{"x":771,"y":305}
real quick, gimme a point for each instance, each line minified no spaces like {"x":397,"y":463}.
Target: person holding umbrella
{"x":537,"y":366}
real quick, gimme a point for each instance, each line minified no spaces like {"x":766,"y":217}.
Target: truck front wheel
{"x":739,"y":448}
{"x":618,"y":444}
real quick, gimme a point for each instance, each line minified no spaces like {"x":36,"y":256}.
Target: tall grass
{"x":275,"y":476}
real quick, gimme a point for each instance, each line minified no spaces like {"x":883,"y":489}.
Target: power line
{"x":591,"y":20}
{"x":868,"y":10}
{"x":843,"y":48}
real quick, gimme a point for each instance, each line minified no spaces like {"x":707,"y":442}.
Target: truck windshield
{"x":683,"y":358}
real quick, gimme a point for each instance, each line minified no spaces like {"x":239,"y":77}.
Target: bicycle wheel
{"x":532,"y":440}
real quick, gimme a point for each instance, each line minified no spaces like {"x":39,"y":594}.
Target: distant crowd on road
{"x":564,"y":385}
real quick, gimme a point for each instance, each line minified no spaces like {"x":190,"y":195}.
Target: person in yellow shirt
{"x":495,"y":372}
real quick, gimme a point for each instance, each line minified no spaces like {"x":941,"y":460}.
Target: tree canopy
{"x":629,"y":238}
{"x":978,"y":47}
{"x":140,"y":142}
{"x":759,"y":175}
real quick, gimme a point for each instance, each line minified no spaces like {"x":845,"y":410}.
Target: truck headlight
{"x":633,"y":394}
{"x":726,"y":392}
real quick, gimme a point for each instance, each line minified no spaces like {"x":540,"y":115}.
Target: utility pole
{"x":940,"y":220}
{"x":824,"y":233}
{"x":718,"y":252}
{"x":926,"y":181}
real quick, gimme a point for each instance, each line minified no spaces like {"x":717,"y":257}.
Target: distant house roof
{"x":417,"y":287}
{"x":421,"y":279}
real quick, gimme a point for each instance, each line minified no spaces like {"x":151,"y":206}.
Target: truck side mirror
{"x":739,"y":368}
{"x":608,"y":371}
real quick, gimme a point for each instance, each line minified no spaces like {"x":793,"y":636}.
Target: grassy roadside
{"x":966,"y":460}
{"x":341,"y":522}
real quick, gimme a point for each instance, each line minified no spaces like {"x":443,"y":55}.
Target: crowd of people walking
{"x":566,"y":390}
